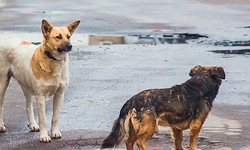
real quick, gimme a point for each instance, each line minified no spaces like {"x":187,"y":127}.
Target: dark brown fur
{"x":180,"y":107}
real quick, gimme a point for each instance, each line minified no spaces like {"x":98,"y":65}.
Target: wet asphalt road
{"x":102,"y":78}
{"x":95,"y":17}
{"x":219,"y":21}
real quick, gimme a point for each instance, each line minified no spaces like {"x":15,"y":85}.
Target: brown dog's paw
{"x":45,"y":139}
{"x":195,"y":149}
{"x":33,"y":127}
{"x":180,"y":148}
{"x":56,"y":135}
{"x":2,"y":129}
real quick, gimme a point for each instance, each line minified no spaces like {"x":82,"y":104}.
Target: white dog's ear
{"x":46,"y":28}
{"x":72,"y":26}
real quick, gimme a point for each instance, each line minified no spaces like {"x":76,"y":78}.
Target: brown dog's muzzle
{"x":65,"y":48}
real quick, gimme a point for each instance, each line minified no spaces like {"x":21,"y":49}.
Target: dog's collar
{"x":47,"y":53}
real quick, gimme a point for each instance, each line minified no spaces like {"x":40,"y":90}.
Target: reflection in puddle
{"x":245,"y":148}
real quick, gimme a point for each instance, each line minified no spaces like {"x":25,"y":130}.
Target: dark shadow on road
{"x":239,"y":51}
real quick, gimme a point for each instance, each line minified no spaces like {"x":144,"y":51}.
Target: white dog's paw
{"x":33,"y":127}
{"x":45,"y":139}
{"x":2,"y":129}
{"x":56,"y":135}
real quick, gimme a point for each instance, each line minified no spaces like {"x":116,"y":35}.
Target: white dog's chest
{"x":40,"y":87}
{"x":50,"y":90}
{"x":49,"y":87}
{"x":22,"y":72}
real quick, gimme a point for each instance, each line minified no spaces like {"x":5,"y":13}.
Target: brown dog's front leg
{"x":195,"y":128}
{"x":177,"y":136}
{"x":131,"y":141}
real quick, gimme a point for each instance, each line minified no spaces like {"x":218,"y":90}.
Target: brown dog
{"x":41,"y":71}
{"x":180,"y":107}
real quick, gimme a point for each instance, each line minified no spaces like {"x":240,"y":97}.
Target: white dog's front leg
{"x":57,"y":104}
{"x":40,"y":104}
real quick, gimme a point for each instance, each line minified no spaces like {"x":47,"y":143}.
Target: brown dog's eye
{"x":68,"y":36}
{"x":59,"y":37}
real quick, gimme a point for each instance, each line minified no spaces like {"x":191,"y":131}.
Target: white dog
{"x":42,"y":71}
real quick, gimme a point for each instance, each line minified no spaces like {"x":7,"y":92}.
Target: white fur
{"x":16,"y":58}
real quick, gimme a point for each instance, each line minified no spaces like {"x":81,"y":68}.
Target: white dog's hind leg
{"x":4,"y":82}
{"x":57,"y":104}
{"x":29,"y":110}
{"x":40,"y":104}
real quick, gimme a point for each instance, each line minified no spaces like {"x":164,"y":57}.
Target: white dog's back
{"x":13,"y":48}
{"x":15,"y":56}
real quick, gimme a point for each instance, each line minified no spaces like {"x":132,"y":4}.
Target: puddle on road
{"x":245,"y":148}
{"x":239,"y":51}
{"x":170,"y":38}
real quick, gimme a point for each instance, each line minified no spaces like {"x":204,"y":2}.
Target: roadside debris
{"x":141,"y":38}
{"x":239,"y":51}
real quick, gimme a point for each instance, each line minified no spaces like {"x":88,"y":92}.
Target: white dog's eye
{"x":68,"y":37}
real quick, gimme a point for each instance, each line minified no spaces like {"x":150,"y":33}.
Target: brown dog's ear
{"x":194,"y":70}
{"x":133,"y":112}
{"x":72,"y":27}
{"x":46,"y":28}
{"x":219,"y":72}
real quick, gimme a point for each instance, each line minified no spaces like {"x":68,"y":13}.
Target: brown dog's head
{"x":213,"y":71}
{"x":57,"y":39}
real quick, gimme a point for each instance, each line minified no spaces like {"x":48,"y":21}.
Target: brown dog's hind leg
{"x":177,"y":136}
{"x":141,"y":142}
{"x":131,"y":141}
{"x":195,"y":128}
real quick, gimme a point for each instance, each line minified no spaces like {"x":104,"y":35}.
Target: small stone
{"x":155,"y":136}
{"x":81,"y":143}
{"x":214,"y":142}
{"x":71,"y":142}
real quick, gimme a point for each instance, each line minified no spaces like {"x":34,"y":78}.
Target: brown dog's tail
{"x":116,"y":136}
{"x":120,"y":127}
